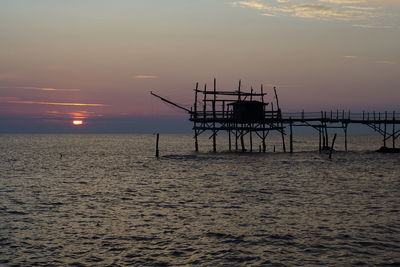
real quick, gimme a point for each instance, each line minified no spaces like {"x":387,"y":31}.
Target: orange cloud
{"x":82,"y":114}
{"x":54,"y":89}
{"x":350,"y":57}
{"x":56,"y":103}
{"x":40,"y":88}
{"x":145,"y":77}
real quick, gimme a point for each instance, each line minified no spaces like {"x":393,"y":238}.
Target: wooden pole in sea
{"x":320,"y":139}
{"x":251,"y":141}
{"x":157,"y":150}
{"x":196,"y":142}
{"x":345,"y":137}
{"x":385,"y":130}
{"x":214,"y":117}
{"x":333,"y":143}
{"x":242,"y":143}
{"x":291,"y":136}
{"x":236,"y":138}
{"x":230,"y":140}
{"x":263,"y":132}
{"x":394,"y":130}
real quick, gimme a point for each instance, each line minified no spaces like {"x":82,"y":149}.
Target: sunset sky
{"x":97,"y":60}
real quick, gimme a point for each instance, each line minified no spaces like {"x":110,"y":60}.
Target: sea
{"x":106,"y":200}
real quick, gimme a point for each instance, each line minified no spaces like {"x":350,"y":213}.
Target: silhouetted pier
{"x":249,"y":114}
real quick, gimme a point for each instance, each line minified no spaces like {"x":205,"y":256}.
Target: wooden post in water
{"x":283,"y":141}
{"x":205,"y":102}
{"x":242,"y":143}
{"x":196,"y":143}
{"x":157,"y":150}
{"x":236,"y":139}
{"x":394,"y":130}
{"x":214,"y":117}
{"x":263,"y":132}
{"x":230,"y":141}
{"x":264,"y":146}
{"x":291,"y":135}
{"x":385,"y":130}
{"x":326,"y":131}
{"x":333,"y":143}
{"x":345,"y":138}
{"x":323,"y":131}
{"x":251,"y":141}
{"x":320,"y":139}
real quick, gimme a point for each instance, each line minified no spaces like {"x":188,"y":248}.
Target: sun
{"x":77,"y":122}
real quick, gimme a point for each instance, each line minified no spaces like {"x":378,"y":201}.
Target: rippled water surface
{"x":105,"y":200}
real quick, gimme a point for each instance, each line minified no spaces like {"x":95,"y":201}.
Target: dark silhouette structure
{"x":243,"y":114}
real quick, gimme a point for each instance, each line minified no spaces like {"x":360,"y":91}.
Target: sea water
{"x":105,"y":200}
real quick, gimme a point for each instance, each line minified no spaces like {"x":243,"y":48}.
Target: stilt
{"x":230,"y":141}
{"x":385,"y":130}
{"x":214,"y":117}
{"x":326,"y":135}
{"x":333,"y":144}
{"x":214,"y":141}
{"x":196,"y":142}
{"x":236,"y":141}
{"x":242,"y":143}
{"x":394,"y":130}
{"x":384,"y":134}
{"x":291,"y":135}
{"x":263,"y":132}
{"x":251,"y":142}
{"x":323,"y":131}
{"x":264,"y":147}
{"x":320,"y":140}
{"x":345,"y":138}
{"x":157,"y":150}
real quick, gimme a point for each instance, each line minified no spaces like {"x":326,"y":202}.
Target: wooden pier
{"x":251,"y":114}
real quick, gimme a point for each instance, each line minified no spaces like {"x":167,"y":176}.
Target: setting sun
{"x":77,"y":122}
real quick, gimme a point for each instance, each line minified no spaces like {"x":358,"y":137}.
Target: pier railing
{"x":342,"y":116}
{"x":327,"y":116}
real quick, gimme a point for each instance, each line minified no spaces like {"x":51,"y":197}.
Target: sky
{"x":97,"y":60}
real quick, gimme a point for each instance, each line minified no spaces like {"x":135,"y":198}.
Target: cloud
{"x":53,"y":103}
{"x":385,"y":2}
{"x":81,"y":114}
{"x":145,"y":77}
{"x":7,"y":76}
{"x":345,"y":10}
{"x":350,"y":57}
{"x":386,"y":62}
{"x":373,"y":26}
{"x":343,"y":1}
{"x":40,"y":88}
{"x":3,"y":98}
{"x":55,"y":89}
{"x":371,"y":61}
